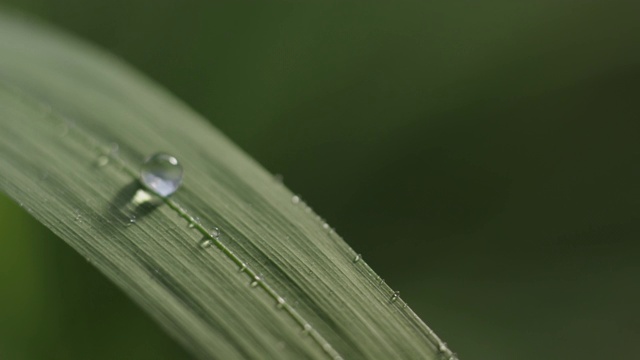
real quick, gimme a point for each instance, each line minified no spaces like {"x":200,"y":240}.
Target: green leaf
{"x":75,"y":124}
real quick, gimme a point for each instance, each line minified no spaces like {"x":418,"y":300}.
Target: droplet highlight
{"x":162,"y":174}
{"x":295,"y":200}
{"x":357,"y":258}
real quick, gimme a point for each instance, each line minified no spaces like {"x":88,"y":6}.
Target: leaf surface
{"x":75,"y":125}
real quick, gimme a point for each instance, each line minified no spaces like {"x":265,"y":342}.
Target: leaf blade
{"x":63,"y":104}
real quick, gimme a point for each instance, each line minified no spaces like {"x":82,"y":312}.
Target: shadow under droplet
{"x":132,"y":203}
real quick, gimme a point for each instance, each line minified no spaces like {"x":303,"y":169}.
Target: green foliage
{"x":482,"y":156}
{"x":277,"y":283}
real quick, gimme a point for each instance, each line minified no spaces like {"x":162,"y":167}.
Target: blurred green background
{"x":482,"y":156}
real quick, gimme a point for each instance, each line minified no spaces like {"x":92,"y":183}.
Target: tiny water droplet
{"x":132,"y":220}
{"x":325,"y":226}
{"x":443,"y":347}
{"x":191,"y":225}
{"x":395,"y":296}
{"x":256,"y":281}
{"x":243,"y":267}
{"x":205,"y":243}
{"x":103,"y":160}
{"x":295,"y":199}
{"x":280,"y":302}
{"x":215,"y":232}
{"x":306,"y":328}
{"x":357,"y":258}
{"x":162,"y":174}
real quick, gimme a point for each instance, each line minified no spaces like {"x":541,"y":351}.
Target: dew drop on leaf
{"x":162,"y":174}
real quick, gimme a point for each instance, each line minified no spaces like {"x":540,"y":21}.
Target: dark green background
{"x":481,"y":155}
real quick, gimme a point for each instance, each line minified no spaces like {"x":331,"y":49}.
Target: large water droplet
{"x":162,"y":174}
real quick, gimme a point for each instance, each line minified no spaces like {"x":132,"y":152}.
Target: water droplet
{"x":295,"y":199}
{"x":306,"y":328}
{"x":443,"y":347}
{"x":205,"y":243}
{"x":357,"y":258}
{"x":132,"y":220}
{"x":191,"y":225}
{"x":215,"y":232}
{"x":280,"y":302}
{"x":243,"y":267}
{"x":395,"y":296}
{"x":325,"y":226}
{"x":103,"y":160}
{"x":162,"y":174}
{"x":256,"y":281}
